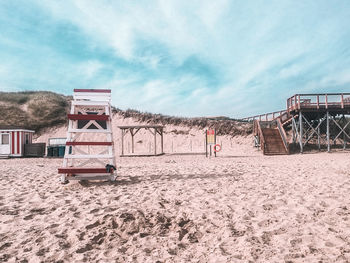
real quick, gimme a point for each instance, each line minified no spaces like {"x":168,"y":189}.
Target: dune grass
{"x":33,"y":110}
{"x":39,"y":110}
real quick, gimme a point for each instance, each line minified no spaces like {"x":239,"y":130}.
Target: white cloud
{"x":336,"y":79}
{"x":90,"y":68}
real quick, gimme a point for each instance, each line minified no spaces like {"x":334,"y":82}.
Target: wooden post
{"x":132,"y":139}
{"x":292,"y":103}
{"x":318,"y":135}
{"x":161,"y":139}
{"x":326,"y":102}
{"x":122,"y":142}
{"x":328,"y":143}
{"x":301,"y":131}
{"x":206,"y":143}
{"x":344,"y":137}
{"x":155,"y":141}
{"x":215,"y":141}
{"x":293,"y":132}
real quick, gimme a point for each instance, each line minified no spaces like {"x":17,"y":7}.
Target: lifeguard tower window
{"x":82,"y":123}
{"x":27,"y":139}
{"x":5,"y":139}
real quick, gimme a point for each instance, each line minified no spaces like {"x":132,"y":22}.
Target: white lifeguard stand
{"x":89,"y":153}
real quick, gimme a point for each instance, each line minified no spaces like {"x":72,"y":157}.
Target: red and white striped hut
{"x":13,"y":139}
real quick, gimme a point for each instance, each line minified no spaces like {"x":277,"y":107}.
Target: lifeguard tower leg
{"x":63,"y":179}
{"x":113,"y":177}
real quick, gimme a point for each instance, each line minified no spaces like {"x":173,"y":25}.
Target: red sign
{"x":210,"y":132}
{"x":210,"y":136}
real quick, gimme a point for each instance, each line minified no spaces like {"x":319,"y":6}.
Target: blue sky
{"x":180,"y":57}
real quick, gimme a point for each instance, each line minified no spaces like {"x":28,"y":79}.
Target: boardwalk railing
{"x":306,"y":101}
{"x":265,"y":117}
{"x":318,"y":101}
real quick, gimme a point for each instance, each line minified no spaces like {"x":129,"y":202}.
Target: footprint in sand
{"x":29,"y":217}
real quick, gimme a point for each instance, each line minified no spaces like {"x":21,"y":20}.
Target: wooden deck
{"x":334,"y":103}
{"x":309,"y":104}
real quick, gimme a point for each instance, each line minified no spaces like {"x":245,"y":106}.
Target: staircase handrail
{"x":283,"y":134}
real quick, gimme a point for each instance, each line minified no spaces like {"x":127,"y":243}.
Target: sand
{"x":242,"y":207}
{"x":239,"y":207}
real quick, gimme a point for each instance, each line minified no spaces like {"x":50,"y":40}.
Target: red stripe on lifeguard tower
{"x":22,"y":142}
{"x":93,"y":90}
{"x":88,"y":117}
{"x":77,"y":170}
{"x":18,"y":142}
{"x":13,"y":143}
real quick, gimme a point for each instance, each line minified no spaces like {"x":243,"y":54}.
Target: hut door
{"x":5,"y":143}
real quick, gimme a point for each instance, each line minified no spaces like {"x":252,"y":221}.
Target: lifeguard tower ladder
{"x":89,"y":153}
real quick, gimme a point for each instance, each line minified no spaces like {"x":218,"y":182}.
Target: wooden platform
{"x":134,"y":129}
{"x":339,"y":102}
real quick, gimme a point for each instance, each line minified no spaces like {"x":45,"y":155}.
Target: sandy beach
{"x":238,"y":208}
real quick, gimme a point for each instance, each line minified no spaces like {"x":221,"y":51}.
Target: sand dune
{"x":177,"y":139}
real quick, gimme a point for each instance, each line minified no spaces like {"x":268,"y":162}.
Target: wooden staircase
{"x":271,"y":137}
{"x":273,"y":142}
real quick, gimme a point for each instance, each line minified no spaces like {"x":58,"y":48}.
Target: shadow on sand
{"x":131,"y":180}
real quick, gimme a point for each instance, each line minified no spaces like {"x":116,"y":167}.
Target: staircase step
{"x":273,"y":142}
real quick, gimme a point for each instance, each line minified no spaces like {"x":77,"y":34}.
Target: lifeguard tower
{"x":90,"y":138}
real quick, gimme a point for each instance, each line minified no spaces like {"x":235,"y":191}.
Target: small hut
{"x":13,"y":140}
